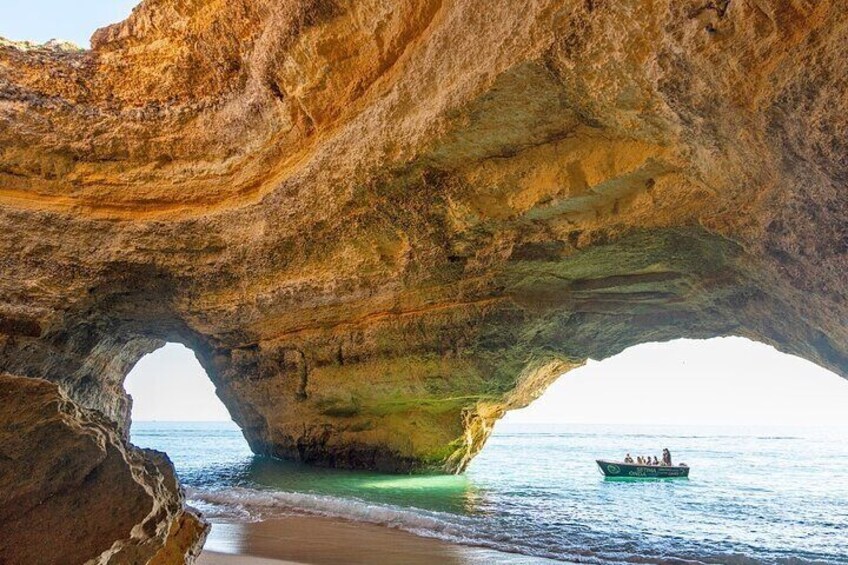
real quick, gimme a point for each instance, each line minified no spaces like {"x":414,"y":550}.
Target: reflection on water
{"x":443,"y":493}
{"x":212,"y":455}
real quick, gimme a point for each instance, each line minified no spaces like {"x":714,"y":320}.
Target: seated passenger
{"x":656,"y":461}
{"x":628,"y":459}
{"x":639,"y":460}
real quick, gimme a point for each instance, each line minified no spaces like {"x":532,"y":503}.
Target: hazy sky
{"x":718,"y":381}
{"x":71,"y":20}
{"x":170,"y":384}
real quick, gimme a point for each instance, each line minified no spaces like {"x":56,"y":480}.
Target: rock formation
{"x":71,"y":491}
{"x":381,"y":224}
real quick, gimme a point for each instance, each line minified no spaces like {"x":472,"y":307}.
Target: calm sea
{"x":755,"y":495}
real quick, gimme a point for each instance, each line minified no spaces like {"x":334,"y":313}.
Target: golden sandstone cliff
{"x":381,"y":224}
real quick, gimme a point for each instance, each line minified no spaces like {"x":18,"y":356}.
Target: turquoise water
{"x":754,"y":496}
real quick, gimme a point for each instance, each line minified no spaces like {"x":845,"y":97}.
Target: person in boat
{"x":666,"y":457}
{"x":639,"y":460}
{"x":628,"y":459}
{"x":656,"y":461}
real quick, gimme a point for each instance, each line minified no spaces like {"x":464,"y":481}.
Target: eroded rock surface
{"x":381,"y":224}
{"x":72,"y":491}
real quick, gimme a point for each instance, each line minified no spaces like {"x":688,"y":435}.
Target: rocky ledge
{"x":380,"y":225}
{"x":72,"y":491}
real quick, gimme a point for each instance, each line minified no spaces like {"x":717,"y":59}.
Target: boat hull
{"x":617,"y":469}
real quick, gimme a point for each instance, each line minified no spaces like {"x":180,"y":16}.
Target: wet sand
{"x":323,"y":541}
{"x":213,"y":558}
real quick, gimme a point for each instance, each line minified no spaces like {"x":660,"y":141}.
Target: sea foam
{"x":241,"y":504}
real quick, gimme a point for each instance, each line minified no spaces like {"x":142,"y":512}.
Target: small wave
{"x":227,"y":513}
{"x":249,"y":505}
{"x":330,"y":506}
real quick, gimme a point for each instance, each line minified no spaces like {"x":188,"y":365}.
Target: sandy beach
{"x":323,"y":541}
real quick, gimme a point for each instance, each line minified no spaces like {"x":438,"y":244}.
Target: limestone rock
{"x":375,"y":221}
{"x":72,"y":491}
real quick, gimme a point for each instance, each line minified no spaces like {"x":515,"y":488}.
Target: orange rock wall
{"x":380,"y":225}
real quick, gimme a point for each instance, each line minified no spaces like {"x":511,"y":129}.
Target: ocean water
{"x":755,"y":495}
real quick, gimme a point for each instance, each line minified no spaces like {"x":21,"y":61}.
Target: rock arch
{"x":381,"y":225}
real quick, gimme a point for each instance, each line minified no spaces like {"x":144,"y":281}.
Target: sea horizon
{"x":534,"y":492}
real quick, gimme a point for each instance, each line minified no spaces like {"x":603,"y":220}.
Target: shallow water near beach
{"x":755,"y":495}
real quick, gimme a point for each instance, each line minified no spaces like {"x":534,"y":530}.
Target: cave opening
{"x":764,"y":434}
{"x":41,"y":21}
{"x":175,"y":409}
{"x":674,"y":390}
{"x":169,"y":384}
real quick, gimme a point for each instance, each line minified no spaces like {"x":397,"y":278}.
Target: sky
{"x":722,"y":381}
{"x":718,"y":381}
{"x":70,"y":20}
{"x":170,"y":384}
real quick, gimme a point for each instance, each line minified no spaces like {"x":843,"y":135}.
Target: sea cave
{"x":381,"y":226}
